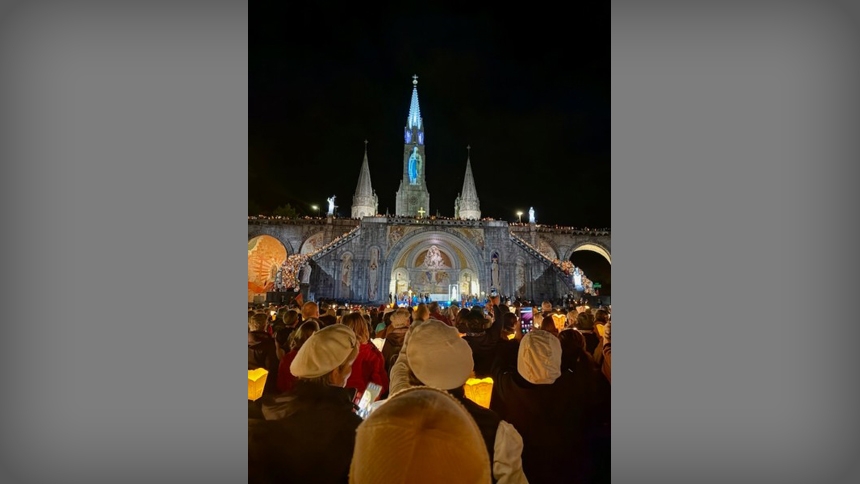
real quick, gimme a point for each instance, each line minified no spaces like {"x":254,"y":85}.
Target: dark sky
{"x":531,"y":96}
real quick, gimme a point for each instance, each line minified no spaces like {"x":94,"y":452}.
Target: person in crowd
{"x":585,"y":325}
{"x":460,"y":323}
{"x":434,"y":355}
{"x":394,"y":336}
{"x":262,"y":352}
{"x":283,"y":333}
{"x":548,"y":324}
{"x":310,"y":310}
{"x":369,"y":366}
{"x":510,"y":327}
{"x":420,"y":435}
{"x":286,"y":379}
{"x":308,"y":434}
{"x":291,"y":318}
{"x":531,"y":391}
{"x":451,"y":313}
{"x":546,"y":309}
{"x":483,"y":335}
{"x":436,"y":313}
{"x":606,"y":367}
{"x":422,"y":313}
{"x":329,"y":317}
{"x":384,"y":322}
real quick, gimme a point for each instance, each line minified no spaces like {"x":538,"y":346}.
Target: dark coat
{"x":484,"y":344}
{"x":263,"y":354}
{"x":394,"y":338}
{"x":309,"y":436}
{"x":555,"y":421}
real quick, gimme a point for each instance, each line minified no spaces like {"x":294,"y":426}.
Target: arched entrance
{"x":595,"y":263}
{"x":435,"y":264}
{"x":266,"y":254}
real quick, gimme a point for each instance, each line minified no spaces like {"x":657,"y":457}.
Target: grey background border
{"x":123,"y":136}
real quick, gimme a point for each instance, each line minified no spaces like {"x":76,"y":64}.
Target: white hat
{"x":324,"y":351}
{"x":438,"y":356}
{"x":400,"y":319}
{"x":539,"y":357}
{"x":435,"y":437}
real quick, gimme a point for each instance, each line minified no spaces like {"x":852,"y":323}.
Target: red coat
{"x":441,"y":317}
{"x":369,"y":366}
{"x":286,"y":380}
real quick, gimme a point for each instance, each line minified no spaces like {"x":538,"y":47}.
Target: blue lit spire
{"x":414,"y":120}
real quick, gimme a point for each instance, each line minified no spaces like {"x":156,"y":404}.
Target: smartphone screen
{"x":367,"y":398}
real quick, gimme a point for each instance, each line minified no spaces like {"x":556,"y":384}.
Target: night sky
{"x":531,"y":97}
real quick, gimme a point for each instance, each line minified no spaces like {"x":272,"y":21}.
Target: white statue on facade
{"x":346,"y":271}
{"x":520,"y":277}
{"x":373,"y":274}
{"x":331,"y":205}
{"x":494,"y":271}
{"x":306,"y":273}
{"x":531,"y":215}
{"x":577,"y":277}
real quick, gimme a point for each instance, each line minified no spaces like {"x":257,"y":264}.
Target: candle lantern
{"x":256,"y":382}
{"x":558,"y":320}
{"x":479,"y":390}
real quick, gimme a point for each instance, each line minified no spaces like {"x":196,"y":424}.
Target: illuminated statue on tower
{"x":413,"y":197}
{"x":531,"y":215}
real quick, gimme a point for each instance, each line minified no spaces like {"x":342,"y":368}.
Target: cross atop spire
{"x":469,"y":147}
{"x":414,"y":120}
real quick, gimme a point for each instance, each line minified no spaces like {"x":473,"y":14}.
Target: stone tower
{"x":365,"y":203}
{"x":413,"y":199}
{"x":467,"y":206}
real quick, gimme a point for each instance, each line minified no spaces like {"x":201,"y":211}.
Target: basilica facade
{"x":377,"y":259}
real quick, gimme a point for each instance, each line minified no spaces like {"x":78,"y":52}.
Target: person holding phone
{"x":369,"y":366}
{"x":436,"y":356}
{"x":308,"y":434}
{"x":483,"y":333}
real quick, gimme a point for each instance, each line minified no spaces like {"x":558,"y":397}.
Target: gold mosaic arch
{"x":453,"y":244}
{"x":265,"y":256}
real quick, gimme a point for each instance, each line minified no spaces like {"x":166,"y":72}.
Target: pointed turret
{"x":467,"y":205}
{"x":365,"y":203}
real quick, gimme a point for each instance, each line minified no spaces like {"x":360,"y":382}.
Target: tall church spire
{"x":467,"y":205}
{"x":365,"y":203}
{"x":414,"y":120}
{"x":413,"y":196}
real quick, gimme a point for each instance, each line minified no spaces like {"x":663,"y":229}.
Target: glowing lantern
{"x":558,"y":320}
{"x":256,"y":382}
{"x":479,"y":390}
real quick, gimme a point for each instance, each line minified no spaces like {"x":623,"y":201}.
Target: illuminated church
{"x":379,"y":259}
{"x":413,"y":197}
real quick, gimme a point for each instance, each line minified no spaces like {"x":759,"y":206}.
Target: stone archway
{"x":593,"y":247}
{"x":434,"y":262}
{"x":594,"y":266}
{"x":266,"y":254}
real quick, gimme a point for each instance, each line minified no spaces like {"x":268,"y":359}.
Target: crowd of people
{"x":547,"y":419}
{"x":540,"y":227}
